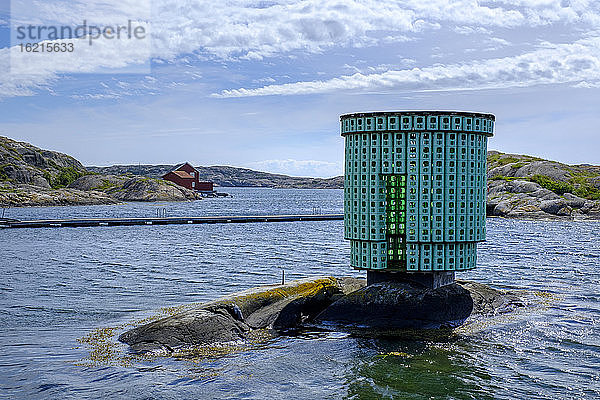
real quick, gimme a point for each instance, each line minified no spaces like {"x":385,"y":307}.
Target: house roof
{"x":183,"y":174}
{"x":178,"y":166}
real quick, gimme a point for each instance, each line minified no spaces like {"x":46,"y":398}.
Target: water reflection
{"x":415,"y":370}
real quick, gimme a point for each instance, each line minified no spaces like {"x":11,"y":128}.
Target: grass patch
{"x":587,"y":192}
{"x":106,"y":185}
{"x":578,"y":185}
{"x":3,"y":176}
{"x":532,"y":158}
{"x":9,"y":189}
{"x":12,"y":151}
{"x":501,"y":159}
{"x":557,"y":187}
{"x":583,"y":188}
{"x":578,"y":179}
{"x":506,"y":178}
{"x":64,"y":178}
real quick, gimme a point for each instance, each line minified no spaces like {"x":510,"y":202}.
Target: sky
{"x":261,"y":84}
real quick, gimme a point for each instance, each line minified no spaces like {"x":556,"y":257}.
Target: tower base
{"x":429,"y":280}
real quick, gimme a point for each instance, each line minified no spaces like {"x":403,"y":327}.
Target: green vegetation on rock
{"x":64,"y":178}
{"x":505,"y":178}
{"x":557,"y":187}
{"x":106,"y":185}
{"x":577,"y":185}
{"x":9,"y":189}
{"x":500,"y":159}
{"x":3,"y":176}
{"x":11,"y":151}
{"x":580,"y":180}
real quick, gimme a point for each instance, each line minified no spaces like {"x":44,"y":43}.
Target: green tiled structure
{"x":415,"y":189}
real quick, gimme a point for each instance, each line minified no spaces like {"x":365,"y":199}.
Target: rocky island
{"x":327,"y":303}
{"x":30,"y":176}
{"x":519,"y":186}
{"x":529,"y":187}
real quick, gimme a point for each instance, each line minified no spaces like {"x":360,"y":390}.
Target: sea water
{"x":64,"y":290}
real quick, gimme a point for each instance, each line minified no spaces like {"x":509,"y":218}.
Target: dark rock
{"x":24,"y":163}
{"x":502,"y":209}
{"x":200,"y":328}
{"x":522,"y":187}
{"x":488,"y":301}
{"x":556,"y":207}
{"x":97,"y":182}
{"x":430,"y":280}
{"x":544,"y":194}
{"x":552,"y":169}
{"x":149,"y":189}
{"x":323,"y":303}
{"x":591,"y":208}
{"x":490,"y":206}
{"x":349,"y":285}
{"x":266,"y":307}
{"x":31,"y":196}
{"x":391,"y":306}
{"x":137,"y":188}
{"x":302,"y":309}
{"x":574,"y":201}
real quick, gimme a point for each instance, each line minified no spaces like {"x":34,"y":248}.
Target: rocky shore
{"x":528,"y":200}
{"x":519,"y":186}
{"x":79,"y":193}
{"x":138,"y":188}
{"x":522,"y":186}
{"x":30,"y":176}
{"x":340,"y":304}
{"x":227,"y":176}
{"x":34,"y":196}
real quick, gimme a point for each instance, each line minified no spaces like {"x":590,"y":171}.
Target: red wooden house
{"x":187,"y":176}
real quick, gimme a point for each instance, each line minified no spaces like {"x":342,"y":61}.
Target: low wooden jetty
{"x":71,"y":223}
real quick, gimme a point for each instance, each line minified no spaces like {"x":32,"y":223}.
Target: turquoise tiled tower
{"x":415,"y":189}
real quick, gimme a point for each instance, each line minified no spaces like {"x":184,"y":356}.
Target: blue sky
{"x":261,"y":84}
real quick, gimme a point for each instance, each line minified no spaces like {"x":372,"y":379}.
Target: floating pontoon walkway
{"x":64,"y":223}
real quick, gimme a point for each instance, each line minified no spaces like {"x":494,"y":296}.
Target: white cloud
{"x":469,"y":30}
{"x":73,"y":12}
{"x":553,"y":64}
{"x":588,"y":85}
{"x":265,"y":80}
{"x":239,"y":29}
{"x":24,"y":72}
{"x":499,"y":41}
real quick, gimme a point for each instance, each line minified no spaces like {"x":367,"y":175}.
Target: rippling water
{"x":59,"y":285}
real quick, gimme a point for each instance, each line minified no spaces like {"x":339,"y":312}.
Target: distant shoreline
{"x":519,"y":186}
